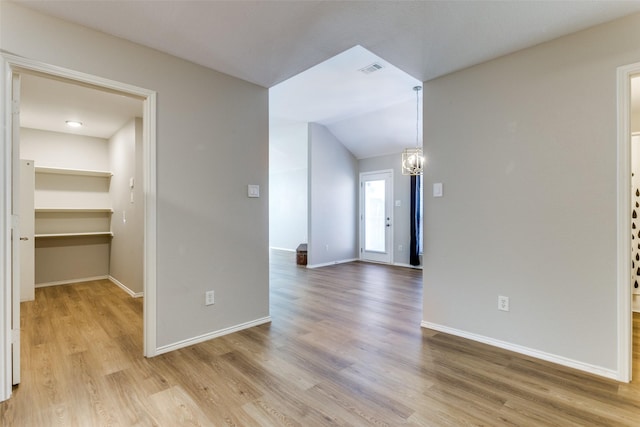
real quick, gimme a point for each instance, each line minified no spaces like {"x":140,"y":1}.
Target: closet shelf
{"x":78,"y":210}
{"x":64,"y":171}
{"x":96,"y":233}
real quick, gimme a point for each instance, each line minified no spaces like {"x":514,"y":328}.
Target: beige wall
{"x":71,"y":259}
{"x":333,"y":199}
{"x":212,"y":140}
{"x":526,"y":148}
{"x":127,"y":223}
{"x":64,"y":150}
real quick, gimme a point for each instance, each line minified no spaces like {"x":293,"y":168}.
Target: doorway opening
{"x":70,"y":199}
{"x":628,"y":212}
{"x":353,"y":113}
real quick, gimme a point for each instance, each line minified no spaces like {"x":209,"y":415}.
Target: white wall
{"x":212,"y":140}
{"x":333,"y":195}
{"x":127,"y":224}
{"x":402,"y":193}
{"x":288,"y":184}
{"x":526,"y":148}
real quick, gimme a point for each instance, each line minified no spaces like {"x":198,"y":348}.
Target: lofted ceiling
{"x":269,"y":42}
{"x":371,"y":110}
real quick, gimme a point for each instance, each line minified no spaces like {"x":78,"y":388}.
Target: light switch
{"x":253,"y":190}
{"x":397,"y":203}
{"x":437,"y":189}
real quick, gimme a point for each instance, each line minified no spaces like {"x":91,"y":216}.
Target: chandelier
{"x":412,"y":158}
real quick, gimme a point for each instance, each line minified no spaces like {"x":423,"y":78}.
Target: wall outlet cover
{"x":209,"y":298}
{"x":503,"y":303}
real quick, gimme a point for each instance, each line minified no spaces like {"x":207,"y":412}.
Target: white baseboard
{"x":68,"y":282}
{"x":560,"y":360}
{"x":124,"y":288}
{"x":401,"y":264}
{"x":206,"y":337}
{"x":342,"y":261}
{"x":282,"y":249}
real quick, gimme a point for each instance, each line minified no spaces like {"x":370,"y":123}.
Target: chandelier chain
{"x":417,"y":89}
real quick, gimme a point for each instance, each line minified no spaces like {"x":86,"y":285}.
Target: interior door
{"x":27,"y":226}
{"x":376,"y":216}
{"x":15,"y":227}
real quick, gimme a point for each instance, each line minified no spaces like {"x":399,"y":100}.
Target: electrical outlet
{"x":503,"y":303}
{"x":209,"y":298}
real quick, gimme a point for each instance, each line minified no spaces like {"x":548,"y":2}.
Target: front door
{"x":376,"y":216}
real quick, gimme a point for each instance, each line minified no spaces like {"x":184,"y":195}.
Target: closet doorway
{"x":85,"y":187}
{"x":83,"y":146}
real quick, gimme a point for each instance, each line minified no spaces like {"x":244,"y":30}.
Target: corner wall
{"x":526,"y":148}
{"x":127,"y":222}
{"x":288,"y":184}
{"x":333,"y":199}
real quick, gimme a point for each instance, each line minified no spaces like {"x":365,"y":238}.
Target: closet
{"x":79,"y":185}
{"x":84,"y":185}
{"x":73,"y":234}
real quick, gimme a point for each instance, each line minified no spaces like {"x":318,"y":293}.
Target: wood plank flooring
{"x":344,"y":348}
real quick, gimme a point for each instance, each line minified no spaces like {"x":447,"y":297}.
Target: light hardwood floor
{"x":344,"y":348}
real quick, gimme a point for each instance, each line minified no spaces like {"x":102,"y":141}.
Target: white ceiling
{"x":268,"y":42}
{"x":372,"y":114}
{"x":46,"y":104}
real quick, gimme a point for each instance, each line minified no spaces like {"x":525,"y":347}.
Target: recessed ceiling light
{"x":73,"y":124}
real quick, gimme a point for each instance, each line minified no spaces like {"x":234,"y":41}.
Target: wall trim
{"x":560,"y":360}
{"x":6,"y":300}
{"x":206,"y":337}
{"x":623,"y":228}
{"x":125,"y":288}
{"x":326,"y":264}
{"x":402,"y":264}
{"x":275,"y":248}
{"x":91,"y":279}
{"x":69,"y":282}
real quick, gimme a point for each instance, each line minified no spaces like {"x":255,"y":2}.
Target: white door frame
{"x":625,"y":319}
{"x":361,"y":213}
{"x":8,"y":64}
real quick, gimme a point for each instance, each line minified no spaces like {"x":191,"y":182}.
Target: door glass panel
{"x":374,"y":208}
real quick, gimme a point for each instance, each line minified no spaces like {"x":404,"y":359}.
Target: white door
{"x":27,"y":242}
{"x":15,"y":229}
{"x":376,"y":216}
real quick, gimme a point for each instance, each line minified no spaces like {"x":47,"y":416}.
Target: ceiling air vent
{"x":371,"y":68}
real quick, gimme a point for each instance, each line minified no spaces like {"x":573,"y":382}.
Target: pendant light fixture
{"x":412,"y":158}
